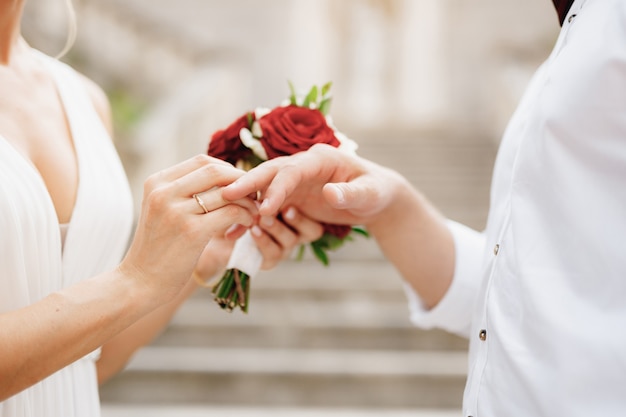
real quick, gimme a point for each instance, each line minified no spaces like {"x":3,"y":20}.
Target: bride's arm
{"x":37,"y":340}
{"x":44,"y":337}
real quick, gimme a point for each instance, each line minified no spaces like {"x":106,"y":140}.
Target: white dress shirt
{"x":546,"y":280}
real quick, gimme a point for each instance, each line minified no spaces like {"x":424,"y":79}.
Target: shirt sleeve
{"x":455,"y":310}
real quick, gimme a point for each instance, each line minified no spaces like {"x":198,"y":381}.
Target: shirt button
{"x":496,"y":249}
{"x":482,"y":335}
{"x":572,"y":17}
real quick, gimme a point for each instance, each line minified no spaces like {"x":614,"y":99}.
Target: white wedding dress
{"x":33,"y":262}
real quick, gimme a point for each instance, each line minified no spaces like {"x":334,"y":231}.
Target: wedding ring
{"x":200,"y":203}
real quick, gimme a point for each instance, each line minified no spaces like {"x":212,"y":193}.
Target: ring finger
{"x":207,"y":201}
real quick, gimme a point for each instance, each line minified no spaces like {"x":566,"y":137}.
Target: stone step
{"x":362,"y":324}
{"x":304,"y":304}
{"x":115,"y":410}
{"x":359,"y":310}
{"x":290,"y":377}
{"x":307,"y":305}
{"x":299,"y":362}
{"x":274,"y":337}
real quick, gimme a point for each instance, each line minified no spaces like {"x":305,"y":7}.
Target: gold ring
{"x":200,"y":203}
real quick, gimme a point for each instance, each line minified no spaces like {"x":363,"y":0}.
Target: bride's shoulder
{"x":100,"y":101}
{"x":95,"y":93}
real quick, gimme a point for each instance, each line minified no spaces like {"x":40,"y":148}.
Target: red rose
{"x":226,"y":145}
{"x":291,"y":129}
{"x":338,"y":230}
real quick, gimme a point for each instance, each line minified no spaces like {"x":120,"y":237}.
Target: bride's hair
{"x":71,"y":29}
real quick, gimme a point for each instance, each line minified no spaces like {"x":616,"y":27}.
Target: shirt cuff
{"x":455,"y":310}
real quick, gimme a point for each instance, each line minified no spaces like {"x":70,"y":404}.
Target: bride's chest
{"x":36,"y":126}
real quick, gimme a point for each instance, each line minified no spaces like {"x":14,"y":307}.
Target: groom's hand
{"x":325,"y":183}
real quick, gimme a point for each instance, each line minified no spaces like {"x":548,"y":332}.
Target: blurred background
{"x":424,"y":86}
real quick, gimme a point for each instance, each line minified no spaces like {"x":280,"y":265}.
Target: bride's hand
{"x":276,"y":238}
{"x":173,"y":227}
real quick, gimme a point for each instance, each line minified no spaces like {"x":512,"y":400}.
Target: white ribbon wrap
{"x":245,"y":256}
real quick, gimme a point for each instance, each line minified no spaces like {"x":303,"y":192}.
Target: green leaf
{"x":326,"y":88}
{"x":311,"y":97}
{"x":325,"y":106}
{"x":292,"y":96}
{"x":332,"y":241}
{"x":321,"y":255}
{"x":250,"y":119}
{"x":360,"y":231}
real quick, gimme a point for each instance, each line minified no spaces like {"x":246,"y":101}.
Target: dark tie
{"x":562,"y":7}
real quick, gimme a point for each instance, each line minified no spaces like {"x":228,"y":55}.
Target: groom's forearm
{"x":414,"y":236}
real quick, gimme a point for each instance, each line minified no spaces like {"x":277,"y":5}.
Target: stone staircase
{"x":319,"y":340}
{"x":315,"y":337}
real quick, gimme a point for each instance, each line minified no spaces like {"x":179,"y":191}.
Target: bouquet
{"x":299,"y":123}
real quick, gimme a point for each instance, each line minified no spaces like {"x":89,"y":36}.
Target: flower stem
{"x":233,"y":290}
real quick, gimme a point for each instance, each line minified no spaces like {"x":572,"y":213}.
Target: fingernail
{"x":265,"y":204}
{"x":290,"y":214}
{"x":267,"y":221}
{"x":231,"y":229}
{"x":341,"y":198}
{"x":256,"y":231}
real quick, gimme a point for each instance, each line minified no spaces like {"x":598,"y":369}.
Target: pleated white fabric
{"x":33,"y":263}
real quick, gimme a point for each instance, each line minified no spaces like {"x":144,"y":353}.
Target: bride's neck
{"x":10,"y":38}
